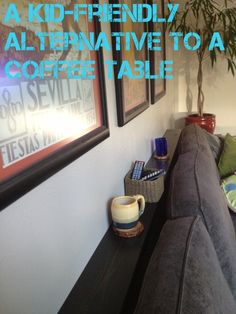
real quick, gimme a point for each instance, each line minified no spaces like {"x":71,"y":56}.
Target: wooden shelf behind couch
{"x":112,"y":278}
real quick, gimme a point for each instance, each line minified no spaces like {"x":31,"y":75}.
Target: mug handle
{"x":140,"y":199}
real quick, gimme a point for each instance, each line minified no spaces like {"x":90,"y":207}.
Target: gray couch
{"x":193,"y":266}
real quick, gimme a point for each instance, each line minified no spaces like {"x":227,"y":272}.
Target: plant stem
{"x":200,"y":98}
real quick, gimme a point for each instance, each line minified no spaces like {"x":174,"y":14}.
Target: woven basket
{"x":151,"y":190}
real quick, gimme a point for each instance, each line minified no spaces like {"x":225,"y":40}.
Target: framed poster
{"x":157,"y":86}
{"x":132,"y":95}
{"x":46,"y":123}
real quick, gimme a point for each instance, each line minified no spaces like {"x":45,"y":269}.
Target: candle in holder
{"x":161,"y":148}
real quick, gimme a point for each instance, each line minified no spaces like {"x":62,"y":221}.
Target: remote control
{"x":137,"y":170}
{"x":153,"y":175}
{"x":156,"y":177}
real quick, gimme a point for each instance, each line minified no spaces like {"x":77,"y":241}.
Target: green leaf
{"x":206,"y":17}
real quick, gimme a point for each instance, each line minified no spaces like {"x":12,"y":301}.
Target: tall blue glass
{"x":161,"y":147}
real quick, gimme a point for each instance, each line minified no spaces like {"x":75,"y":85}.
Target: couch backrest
{"x":184,"y":275}
{"x":195,"y":190}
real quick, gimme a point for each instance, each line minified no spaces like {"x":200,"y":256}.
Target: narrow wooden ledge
{"x":111,"y":281}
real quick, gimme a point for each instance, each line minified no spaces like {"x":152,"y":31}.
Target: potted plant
{"x":205,"y":18}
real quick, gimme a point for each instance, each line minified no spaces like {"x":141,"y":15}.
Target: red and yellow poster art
{"x":39,"y":116}
{"x":47,"y":117}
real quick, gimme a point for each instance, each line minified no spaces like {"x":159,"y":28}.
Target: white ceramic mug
{"x":126,"y":210}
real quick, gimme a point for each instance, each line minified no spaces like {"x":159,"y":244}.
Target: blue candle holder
{"x":161,"y":148}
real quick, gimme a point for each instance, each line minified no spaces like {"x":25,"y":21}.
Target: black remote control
{"x":137,"y":170}
{"x":156,"y":177}
{"x":153,"y":175}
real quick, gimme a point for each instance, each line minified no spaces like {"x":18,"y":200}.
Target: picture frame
{"x":132,"y":95}
{"x":48,"y":123}
{"x":157,"y":86}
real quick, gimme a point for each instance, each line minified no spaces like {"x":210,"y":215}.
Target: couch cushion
{"x":229,"y":188}
{"x":227,"y":163}
{"x":184,"y":275}
{"x":216,"y":144}
{"x":233,"y":217}
{"x":192,"y":136}
{"x":195,"y":190}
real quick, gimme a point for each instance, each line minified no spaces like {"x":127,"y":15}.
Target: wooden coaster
{"x":161,"y":157}
{"x":129,"y":233}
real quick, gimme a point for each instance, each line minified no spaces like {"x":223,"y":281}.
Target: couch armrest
{"x":184,"y":274}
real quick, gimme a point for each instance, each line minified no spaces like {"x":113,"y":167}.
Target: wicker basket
{"x":151,"y":190}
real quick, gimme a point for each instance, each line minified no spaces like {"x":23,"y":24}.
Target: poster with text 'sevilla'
{"x":52,"y":96}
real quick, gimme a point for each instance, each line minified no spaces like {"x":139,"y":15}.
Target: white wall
{"x":48,"y":235}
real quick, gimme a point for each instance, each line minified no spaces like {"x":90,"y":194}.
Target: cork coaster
{"x":129,"y":233}
{"x":161,"y":157}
